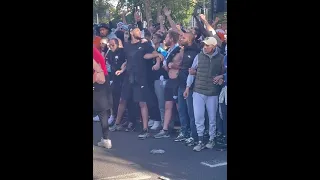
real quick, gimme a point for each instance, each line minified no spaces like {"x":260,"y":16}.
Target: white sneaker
{"x":111,"y":119}
{"x":96,"y":119}
{"x":150,"y":122}
{"x":156,"y":125}
{"x":106,"y":143}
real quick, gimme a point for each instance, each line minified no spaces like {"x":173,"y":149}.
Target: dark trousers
{"x":102,"y":103}
{"x":116,"y":94}
{"x":224,"y":119}
{"x":103,"y":116}
{"x":153,"y":105}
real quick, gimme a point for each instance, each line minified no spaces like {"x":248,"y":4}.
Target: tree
{"x":181,"y":9}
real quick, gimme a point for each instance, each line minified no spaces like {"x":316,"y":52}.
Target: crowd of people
{"x":161,"y":77}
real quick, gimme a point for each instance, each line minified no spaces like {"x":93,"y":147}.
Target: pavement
{"x":130,"y":159}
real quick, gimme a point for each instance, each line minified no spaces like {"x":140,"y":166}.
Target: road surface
{"x":130,"y":159}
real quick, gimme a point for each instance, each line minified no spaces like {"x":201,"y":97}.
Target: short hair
{"x":159,"y":36}
{"x":174,"y":35}
{"x":191,"y":35}
{"x":147,"y":33}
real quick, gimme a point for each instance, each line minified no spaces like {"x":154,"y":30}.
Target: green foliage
{"x":181,"y":10}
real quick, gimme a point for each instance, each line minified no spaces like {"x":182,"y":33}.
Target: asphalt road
{"x":130,"y":159}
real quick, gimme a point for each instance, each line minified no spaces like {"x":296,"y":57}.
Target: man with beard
{"x":186,"y":104}
{"x":105,"y":32}
{"x":172,"y":65}
{"x":135,"y":83}
{"x":209,"y":65}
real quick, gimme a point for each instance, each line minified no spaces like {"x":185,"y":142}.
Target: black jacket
{"x":116,"y":59}
{"x":190,"y":52}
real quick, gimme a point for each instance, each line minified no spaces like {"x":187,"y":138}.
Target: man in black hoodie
{"x":186,"y":105}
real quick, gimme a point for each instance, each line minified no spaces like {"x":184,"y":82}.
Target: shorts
{"x":171,"y":90}
{"x":138,"y":92}
{"x":102,"y":96}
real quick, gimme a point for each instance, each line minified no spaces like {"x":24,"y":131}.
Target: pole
{"x":97,"y":18}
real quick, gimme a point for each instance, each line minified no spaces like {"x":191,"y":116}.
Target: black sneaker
{"x":190,"y":142}
{"x":144,"y":134}
{"x":130,"y":127}
{"x":199,"y":146}
{"x":180,"y":137}
{"x":162,"y":134}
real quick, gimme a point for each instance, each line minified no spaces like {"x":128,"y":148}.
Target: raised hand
{"x":166,"y":11}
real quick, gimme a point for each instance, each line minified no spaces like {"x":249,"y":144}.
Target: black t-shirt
{"x":116,"y":59}
{"x":136,"y":64}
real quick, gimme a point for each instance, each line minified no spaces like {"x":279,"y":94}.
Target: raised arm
{"x":171,"y":22}
{"x":123,"y":16}
{"x":210,"y":29}
{"x":202,"y":30}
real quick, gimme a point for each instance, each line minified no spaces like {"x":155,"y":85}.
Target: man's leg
{"x":224,"y":120}
{"x":199,"y":109}
{"x":141,"y":94}
{"x":164,"y":133}
{"x":212,"y":108}
{"x":183,"y":115}
{"x":105,"y":141}
{"x":153,"y":107}
{"x":159,"y":90}
{"x":193,"y":128}
{"x":126,"y":93}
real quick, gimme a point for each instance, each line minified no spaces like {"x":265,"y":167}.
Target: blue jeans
{"x":186,"y":116}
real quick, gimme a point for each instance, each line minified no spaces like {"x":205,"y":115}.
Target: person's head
{"x":218,"y":26}
{"x":210,"y":44}
{"x":157,"y":38}
{"x":104,"y":30}
{"x":186,"y":39}
{"x":147,"y":35}
{"x":103,"y":43}
{"x":224,"y":26}
{"x":126,"y":35}
{"x":114,"y":44}
{"x":172,"y":38}
{"x":135,"y":33}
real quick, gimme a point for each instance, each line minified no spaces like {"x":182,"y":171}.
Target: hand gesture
{"x":192,"y":71}
{"x":156,"y":67}
{"x":217,"y":78}
{"x":118,"y":72}
{"x":202,"y":17}
{"x":166,"y":11}
{"x":186,"y":93}
{"x":99,"y":77}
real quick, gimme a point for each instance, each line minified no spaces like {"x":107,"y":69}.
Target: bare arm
{"x":202,"y":30}
{"x":124,"y":66}
{"x":152,"y":55}
{"x":210,"y":29}
{"x":123,"y":16}
{"x":171,"y":22}
{"x":161,"y":19}
{"x":96,"y":67}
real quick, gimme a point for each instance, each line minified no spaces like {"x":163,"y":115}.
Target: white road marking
{"x":130,"y":176}
{"x":214,"y":165}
